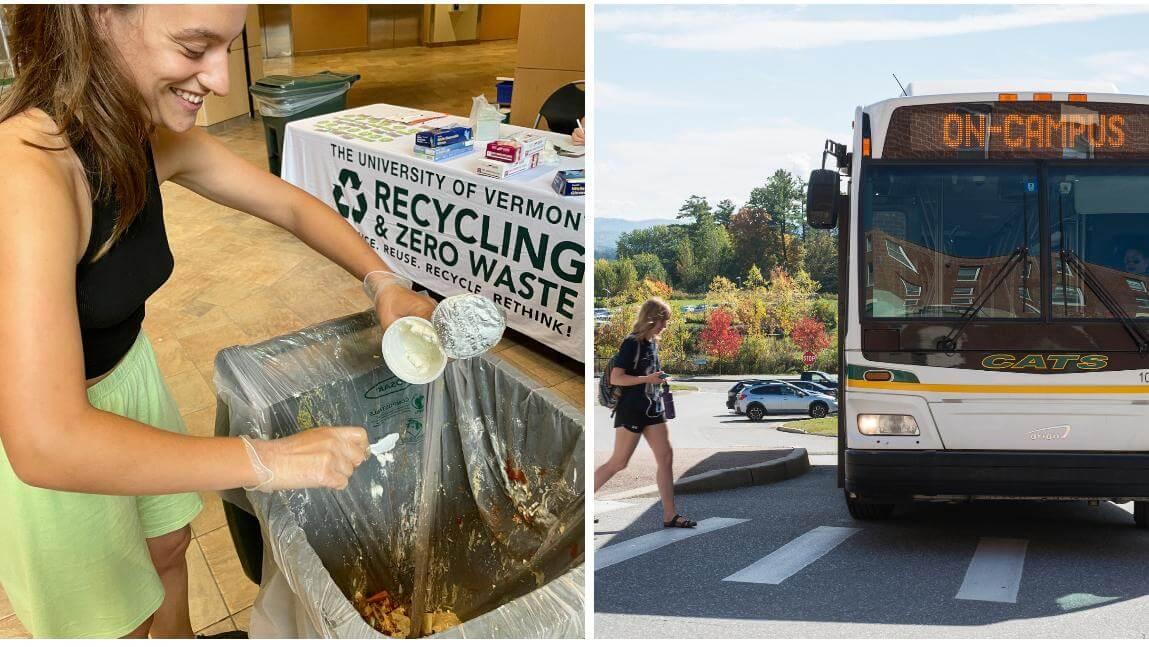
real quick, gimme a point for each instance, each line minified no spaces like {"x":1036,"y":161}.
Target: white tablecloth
{"x":445,"y":227}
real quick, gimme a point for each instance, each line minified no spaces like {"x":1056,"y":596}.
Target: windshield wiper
{"x":1106,"y":299}
{"x":948,"y":343}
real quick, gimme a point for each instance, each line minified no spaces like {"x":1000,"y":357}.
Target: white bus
{"x":994,"y":301}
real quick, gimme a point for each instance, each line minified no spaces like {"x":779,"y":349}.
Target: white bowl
{"x":412,"y":351}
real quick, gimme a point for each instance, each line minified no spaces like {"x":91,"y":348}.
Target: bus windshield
{"x":937,"y":237}
{"x":1100,"y":215}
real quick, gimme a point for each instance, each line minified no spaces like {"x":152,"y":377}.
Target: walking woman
{"x":97,"y":478}
{"x":639,"y":413}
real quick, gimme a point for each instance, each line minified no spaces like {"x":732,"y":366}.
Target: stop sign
{"x":808,"y":358}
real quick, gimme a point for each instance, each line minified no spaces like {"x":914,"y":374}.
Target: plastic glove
{"x":319,"y":457}
{"x":394,"y":299}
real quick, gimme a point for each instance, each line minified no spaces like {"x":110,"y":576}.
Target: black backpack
{"x":608,"y":394}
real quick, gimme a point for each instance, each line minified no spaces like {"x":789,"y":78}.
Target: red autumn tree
{"x":719,"y":338}
{"x":810,"y":335}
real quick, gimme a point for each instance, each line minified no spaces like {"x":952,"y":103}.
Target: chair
{"x":563,"y":107}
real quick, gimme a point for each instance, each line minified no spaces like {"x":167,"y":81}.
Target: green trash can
{"x":282,"y":99}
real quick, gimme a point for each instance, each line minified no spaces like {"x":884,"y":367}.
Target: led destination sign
{"x":1022,"y":130}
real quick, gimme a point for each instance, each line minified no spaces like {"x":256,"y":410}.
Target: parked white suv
{"x":757,"y":400}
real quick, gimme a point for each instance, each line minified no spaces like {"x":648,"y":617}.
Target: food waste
{"x":387,"y":616}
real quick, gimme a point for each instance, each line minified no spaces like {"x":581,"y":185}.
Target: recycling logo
{"x":412,"y":431}
{"x":348,"y":198}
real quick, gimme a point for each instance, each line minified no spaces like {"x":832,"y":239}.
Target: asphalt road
{"x":704,"y":422}
{"x":806,"y":569}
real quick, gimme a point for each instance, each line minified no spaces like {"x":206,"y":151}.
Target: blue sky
{"x":710,"y":100}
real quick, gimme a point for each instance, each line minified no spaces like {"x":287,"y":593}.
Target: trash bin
{"x":281,"y":99}
{"x":492,"y":531}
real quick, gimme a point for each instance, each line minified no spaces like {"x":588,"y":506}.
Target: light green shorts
{"x":77,"y":565}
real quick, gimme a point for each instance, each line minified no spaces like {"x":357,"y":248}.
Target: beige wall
{"x":328,"y":28}
{"x":552,"y":51}
{"x":441,"y":26}
{"x":499,"y":21}
{"x":216,"y":108}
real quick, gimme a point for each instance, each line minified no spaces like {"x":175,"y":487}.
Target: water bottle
{"x":667,"y":402}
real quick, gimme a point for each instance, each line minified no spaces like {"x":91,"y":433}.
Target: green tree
{"x":660,"y":240}
{"x":686,"y":270}
{"x":723,"y":212}
{"x":822,"y":258}
{"x":648,"y":265}
{"x":712,"y":251}
{"x":626,"y":277}
{"x":784,"y":198}
{"x":605,"y":278}
{"x":694,"y":208}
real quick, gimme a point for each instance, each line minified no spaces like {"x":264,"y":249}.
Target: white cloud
{"x":737,"y":28}
{"x":620,"y":97}
{"x":651,"y":179}
{"x":1122,"y":66}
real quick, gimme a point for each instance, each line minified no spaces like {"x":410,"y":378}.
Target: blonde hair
{"x":651,"y":312}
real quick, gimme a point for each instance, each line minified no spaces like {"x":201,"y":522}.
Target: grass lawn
{"x":678,"y":303}
{"x":683,"y":387}
{"x":827,"y":426}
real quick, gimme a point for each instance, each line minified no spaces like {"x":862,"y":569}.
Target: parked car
{"x":779,"y":397}
{"x":820,"y":377}
{"x":813,"y":387}
{"x":601,"y":314}
{"x":732,"y":394}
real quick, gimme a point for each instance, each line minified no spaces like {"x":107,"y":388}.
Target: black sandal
{"x":679,"y":521}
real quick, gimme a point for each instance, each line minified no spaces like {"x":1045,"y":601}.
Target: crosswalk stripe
{"x":605,"y":506}
{"x":641,"y":545}
{"x":793,"y":557}
{"x":994,"y":573}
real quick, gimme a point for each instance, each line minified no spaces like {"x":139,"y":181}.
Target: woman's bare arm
{"x":51,"y":434}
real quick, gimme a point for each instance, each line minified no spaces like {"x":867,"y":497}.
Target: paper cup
{"x":412,"y":352}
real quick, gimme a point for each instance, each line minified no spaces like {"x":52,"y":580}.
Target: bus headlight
{"x":884,"y":424}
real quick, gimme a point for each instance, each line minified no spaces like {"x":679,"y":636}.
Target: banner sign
{"x":441,"y":225}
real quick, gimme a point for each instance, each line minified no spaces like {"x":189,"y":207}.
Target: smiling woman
{"x":97,"y":476}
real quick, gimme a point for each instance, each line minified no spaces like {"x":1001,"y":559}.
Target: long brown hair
{"x":66,"y":69}
{"x":651,"y":312}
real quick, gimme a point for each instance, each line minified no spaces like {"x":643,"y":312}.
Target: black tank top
{"x":111,"y":292}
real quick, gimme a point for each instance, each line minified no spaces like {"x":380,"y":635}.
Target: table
{"x":447,"y":228}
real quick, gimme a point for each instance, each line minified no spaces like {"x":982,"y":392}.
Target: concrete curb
{"x":796,"y":463}
{"x":793,"y":430}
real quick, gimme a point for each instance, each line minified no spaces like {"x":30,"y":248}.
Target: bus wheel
{"x":1141,"y":514}
{"x":756,"y":411}
{"x":863,"y":511}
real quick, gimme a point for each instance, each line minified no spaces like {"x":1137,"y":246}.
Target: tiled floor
{"x":239,"y":280}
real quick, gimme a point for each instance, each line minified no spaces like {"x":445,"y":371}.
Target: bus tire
{"x":756,"y":411}
{"x":863,"y":511}
{"x":819,"y":410}
{"x":1141,"y":514}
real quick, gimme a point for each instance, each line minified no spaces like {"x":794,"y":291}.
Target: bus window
{"x":937,"y":236}
{"x":1100,"y":214}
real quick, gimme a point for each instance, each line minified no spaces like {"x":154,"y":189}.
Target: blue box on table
{"x":445,"y":136}
{"x":572,"y":182}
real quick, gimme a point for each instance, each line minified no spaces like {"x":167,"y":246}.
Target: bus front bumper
{"x":903,"y":475}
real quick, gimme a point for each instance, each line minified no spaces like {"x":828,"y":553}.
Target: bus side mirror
{"x":823,"y":198}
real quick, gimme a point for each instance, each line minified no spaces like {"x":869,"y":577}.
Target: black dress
{"x":640,"y":405}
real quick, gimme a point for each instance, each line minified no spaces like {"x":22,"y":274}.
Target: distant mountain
{"x":607,"y":231}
